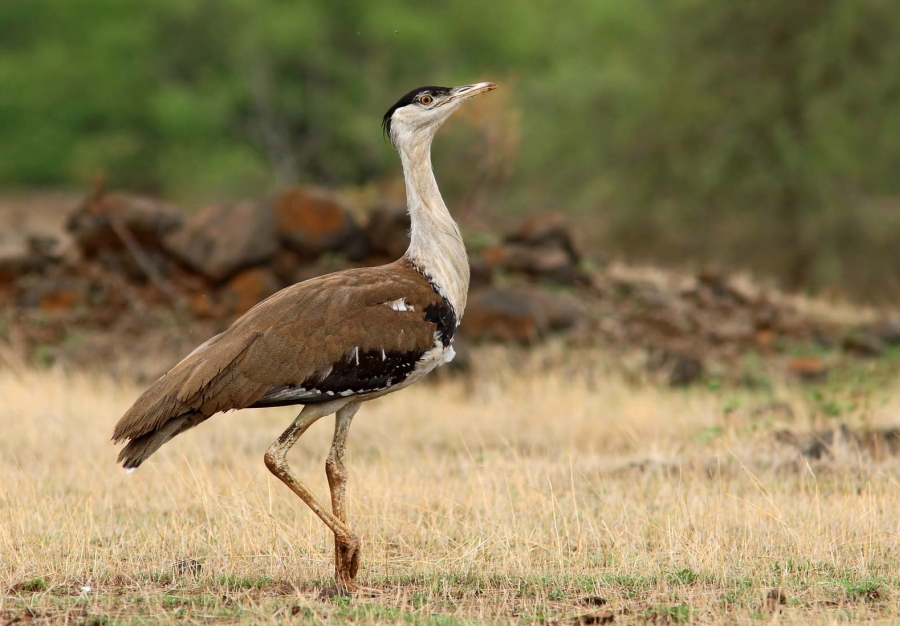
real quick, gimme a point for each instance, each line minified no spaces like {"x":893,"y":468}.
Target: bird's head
{"x":417,"y":115}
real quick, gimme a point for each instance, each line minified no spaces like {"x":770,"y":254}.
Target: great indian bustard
{"x":332,"y":342}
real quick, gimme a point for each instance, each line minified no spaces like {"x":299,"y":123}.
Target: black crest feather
{"x":408,"y":99}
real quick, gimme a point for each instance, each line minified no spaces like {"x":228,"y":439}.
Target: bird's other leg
{"x":276,"y":461}
{"x":346,"y":555}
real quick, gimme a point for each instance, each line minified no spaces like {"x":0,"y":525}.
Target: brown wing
{"x":318,"y":332}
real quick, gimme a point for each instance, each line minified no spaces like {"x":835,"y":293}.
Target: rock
{"x":887,"y":330}
{"x":541,"y":248}
{"x":481,"y":276}
{"x":31,"y":254}
{"x":202,"y":306}
{"x":125,"y":233}
{"x":820,"y":444}
{"x":322,"y":266}
{"x":92,"y":224}
{"x":560,"y":311}
{"x":388,"y":231}
{"x":550,"y":230}
{"x":808,"y":368}
{"x":500,"y":315}
{"x":863,"y":343}
{"x":221,"y":240}
{"x":52,"y":295}
{"x":686,"y":370}
{"x":720,"y":288}
{"x":287,"y":265}
{"x":248,"y":288}
{"x":551,"y":264}
{"x":680,"y":369}
{"x":520,"y":258}
{"x":764,"y":338}
{"x":311,"y":221}
{"x":518,"y":314}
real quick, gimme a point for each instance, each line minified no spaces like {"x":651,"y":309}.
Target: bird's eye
{"x":426,"y":99}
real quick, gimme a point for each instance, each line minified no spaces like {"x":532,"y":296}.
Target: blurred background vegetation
{"x":760,"y":135}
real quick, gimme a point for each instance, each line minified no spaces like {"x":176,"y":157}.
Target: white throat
{"x":436,"y":246}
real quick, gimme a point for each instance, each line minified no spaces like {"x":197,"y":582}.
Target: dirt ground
{"x":523,"y":496}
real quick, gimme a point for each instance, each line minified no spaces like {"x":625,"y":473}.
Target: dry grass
{"x":521,"y":498}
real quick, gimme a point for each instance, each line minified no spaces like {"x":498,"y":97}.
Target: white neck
{"x":436,"y":246}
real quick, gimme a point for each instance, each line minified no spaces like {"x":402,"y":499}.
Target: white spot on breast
{"x":400,"y":305}
{"x":356,"y":354}
{"x":383,"y":355}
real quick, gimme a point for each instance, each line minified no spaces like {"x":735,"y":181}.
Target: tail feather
{"x":140,"y":448}
{"x":207,"y":381}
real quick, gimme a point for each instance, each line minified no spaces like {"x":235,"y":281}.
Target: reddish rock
{"x":764,"y":338}
{"x":516,"y":315}
{"x":550,"y":230}
{"x":388,"y":231}
{"x":92,"y":224}
{"x":124,"y":233}
{"x":551,"y":264}
{"x":519,"y":258}
{"x":221,"y":240}
{"x":290,"y":268}
{"x":864,"y":344}
{"x":887,"y":330}
{"x":311,"y":221}
{"x":202,"y":306}
{"x":287,"y":265}
{"x":52,"y":295}
{"x":542,"y":248}
{"x":248,"y":288}
{"x":808,"y":368}
{"x":33,"y":254}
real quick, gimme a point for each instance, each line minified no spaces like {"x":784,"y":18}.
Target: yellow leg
{"x":276,"y":461}
{"x":346,"y":555}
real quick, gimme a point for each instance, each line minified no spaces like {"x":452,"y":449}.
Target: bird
{"x":332,"y":342}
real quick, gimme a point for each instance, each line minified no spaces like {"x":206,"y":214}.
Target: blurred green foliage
{"x":762,"y":134}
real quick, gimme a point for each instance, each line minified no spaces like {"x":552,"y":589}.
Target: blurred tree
{"x":769,"y":122}
{"x":764,"y":134}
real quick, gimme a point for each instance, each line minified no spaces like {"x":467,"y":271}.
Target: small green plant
{"x":868,"y":589}
{"x":682,"y":577}
{"x":237,"y":582}
{"x":32,"y":585}
{"x":674,"y":614}
{"x":556,"y":594}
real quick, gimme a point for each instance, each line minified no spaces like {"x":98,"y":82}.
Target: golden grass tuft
{"x":521,"y":497}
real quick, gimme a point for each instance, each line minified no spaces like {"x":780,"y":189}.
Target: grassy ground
{"x":523,"y":497}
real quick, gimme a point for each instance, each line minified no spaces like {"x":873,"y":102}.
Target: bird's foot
{"x":357,"y":591}
{"x":335,"y":591}
{"x":346,"y":563}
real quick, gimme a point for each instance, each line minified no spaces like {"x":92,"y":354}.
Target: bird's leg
{"x":346,"y":556}
{"x":276,"y":461}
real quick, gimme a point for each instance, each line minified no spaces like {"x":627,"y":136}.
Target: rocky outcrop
{"x":312,"y":221}
{"x":221,"y":240}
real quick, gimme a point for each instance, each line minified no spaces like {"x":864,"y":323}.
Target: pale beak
{"x":467,"y":91}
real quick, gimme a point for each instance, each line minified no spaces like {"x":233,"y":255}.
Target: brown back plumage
{"x":298,"y":333}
